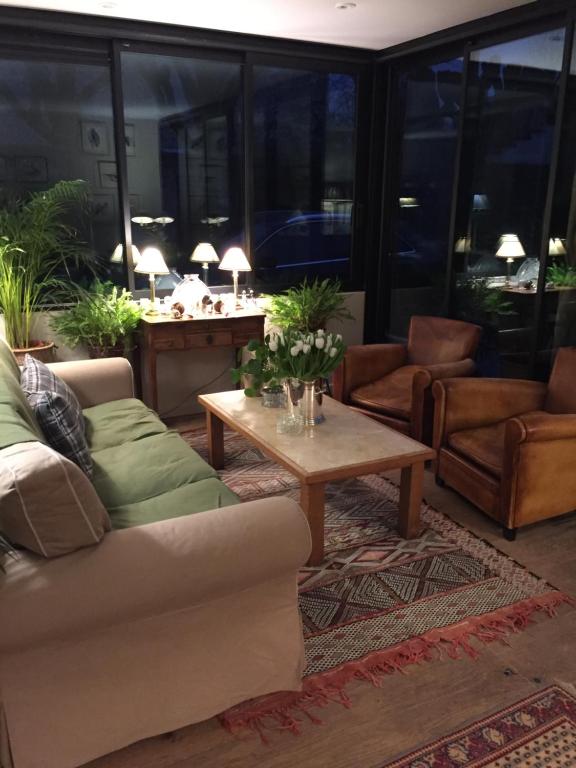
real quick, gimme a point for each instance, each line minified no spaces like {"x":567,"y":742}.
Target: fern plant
{"x":309,"y":306}
{"x":39,"y":249}
{"x":561,"y":274}
{"x":103,"y":318}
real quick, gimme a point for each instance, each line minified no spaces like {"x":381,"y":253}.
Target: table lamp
{"x":510,"y":249}
{"x":556,"y":247}
{"x":235,"y":261}
{"x":118,"y":254}
{"x":152,"y":263}
{"x":205,"y":253}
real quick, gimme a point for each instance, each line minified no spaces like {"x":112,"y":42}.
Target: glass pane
{"x":509,"y":128}
{"x":184,"y":153}
{"x":558,"y":326}
{"x":304,"y":156}
{"x":429,"y":106}
{"x":57,"y":125}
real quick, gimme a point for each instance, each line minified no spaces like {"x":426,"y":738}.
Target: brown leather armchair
{"x":508,"y":445}
{"x":392,"y":382}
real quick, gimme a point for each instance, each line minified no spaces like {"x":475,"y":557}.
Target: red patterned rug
{"x":537,"y":732}
{"x":378,"y":602}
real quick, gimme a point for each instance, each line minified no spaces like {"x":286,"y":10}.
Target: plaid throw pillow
{"x":58,"y":412}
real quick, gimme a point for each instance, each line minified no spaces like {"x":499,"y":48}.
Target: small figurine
{"x":177,"y":310}
{"x":218,"y":304}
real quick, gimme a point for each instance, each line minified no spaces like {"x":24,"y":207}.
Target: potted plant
{"x":259,"y":373}
{"x":103,"y":319}
{"x":308,"y":306}
{"x":39,"y":248}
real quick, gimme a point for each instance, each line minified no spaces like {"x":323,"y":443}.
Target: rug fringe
{"x":286,"y":710}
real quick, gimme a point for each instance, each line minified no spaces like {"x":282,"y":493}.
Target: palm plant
{"x":309,"y":306}
{"x":38,"y":250}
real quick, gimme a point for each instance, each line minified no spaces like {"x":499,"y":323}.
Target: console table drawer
{"x":165,"y":344}
{"x":209,"y":339}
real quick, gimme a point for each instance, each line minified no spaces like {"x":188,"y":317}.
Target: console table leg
{"x":312,"y":502}
{"x":215,"y":430}
{"x":410,"y":500}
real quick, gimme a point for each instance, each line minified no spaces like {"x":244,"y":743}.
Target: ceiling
{"x":374,"y":24}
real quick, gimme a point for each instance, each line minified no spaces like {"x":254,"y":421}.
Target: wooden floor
{"x":425,"y":702}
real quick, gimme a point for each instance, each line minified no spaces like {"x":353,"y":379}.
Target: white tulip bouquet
{"x":305,"y":356}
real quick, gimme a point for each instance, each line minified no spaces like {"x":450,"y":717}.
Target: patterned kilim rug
{"x":378,"y":602}
{"x":537,"y":732}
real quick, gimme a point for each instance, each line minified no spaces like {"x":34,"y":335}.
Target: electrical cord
{"x":196,"y":392}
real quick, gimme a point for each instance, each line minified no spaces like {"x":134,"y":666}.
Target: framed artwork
{"x":103,"y":207}
{"x":107,"y":174}
{"x":94,"y":137}
{"x":3,"y":169}
{"x":130,"y":139}
{"x":31,"y":169}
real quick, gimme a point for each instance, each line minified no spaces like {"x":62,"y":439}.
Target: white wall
{"x":180,"y":374}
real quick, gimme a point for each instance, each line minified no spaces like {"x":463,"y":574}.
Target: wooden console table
{"x":160,"y":333}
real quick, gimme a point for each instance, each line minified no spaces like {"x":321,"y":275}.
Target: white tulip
{"x":299,"y":344}
{"x":294,"y":351}
{"x":320,"y":332}
{"x":338,"y":337}
{"x":273,"y":346}
{"x":333,"y":352}
{"x":328,"y":342}
{"x":319,"y":343}
{"x":306,"y":348}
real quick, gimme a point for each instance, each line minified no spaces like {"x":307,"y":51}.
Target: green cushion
{"x":16,"y":416}
{"x":189,"y":499}
{"x":119,"y":422}
{"x":129,"y":473}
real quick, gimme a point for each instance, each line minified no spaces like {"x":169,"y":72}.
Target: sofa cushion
{"x":483,"y":445}
{"x":47,"y":504}
{"x":133,"y":472}
{"x":391,"y":394}
{"x":186,"y":500}
{"x":58,"y":412}
{"x":118,"y":422}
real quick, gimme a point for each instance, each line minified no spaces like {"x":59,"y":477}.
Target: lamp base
{"x":151,"y":312}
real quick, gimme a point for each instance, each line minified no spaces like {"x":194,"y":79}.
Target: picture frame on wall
{"x":130,"y":139}
{"x":94,"y":137}
{"x":31,"y":169}
{"x":103,"y":207}
{"x":107,"y":174}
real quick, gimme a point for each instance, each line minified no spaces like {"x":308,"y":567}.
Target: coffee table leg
{"x":215,"y":430}
{"x":312,"y":502}
{"x":410,"y":500}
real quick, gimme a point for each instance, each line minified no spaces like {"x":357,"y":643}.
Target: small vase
{"x":311,"y":404}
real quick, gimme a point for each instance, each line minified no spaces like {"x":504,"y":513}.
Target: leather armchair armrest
{"x":540,"y":427}
{"x":451,"y":370}
{"x":466,"y":403}
{"x":97,"y":381}
{"x":365,"y":363}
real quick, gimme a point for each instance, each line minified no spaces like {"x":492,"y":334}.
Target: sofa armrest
{"x":151,"y":570}
{"x":466,"y":403}
{"x":365,"y":363}
{"x":97,"y":381}
{"x":541,"y":426}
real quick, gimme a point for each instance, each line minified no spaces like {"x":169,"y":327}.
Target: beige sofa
{"x":158,"y":626}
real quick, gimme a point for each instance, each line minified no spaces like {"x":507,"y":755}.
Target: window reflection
{"x":509,"y":127}
{"x":184,"y":153}
{"x":429,"y":99}
{"x":304,"y":156}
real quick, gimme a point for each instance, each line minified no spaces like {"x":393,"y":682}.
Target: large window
{"x":183,"y":126}
{"x":510,"y":114}
{"x":304,"y":162}
{"x":428,"y":98}
{"x":56,"y":124}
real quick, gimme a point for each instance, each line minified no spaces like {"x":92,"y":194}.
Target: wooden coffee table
{"x":347,"y":444}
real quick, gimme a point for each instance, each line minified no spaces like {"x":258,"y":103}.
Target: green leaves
{"x":561,"y":275}
{"x":309,"y":306}
{"x":102,"y":317}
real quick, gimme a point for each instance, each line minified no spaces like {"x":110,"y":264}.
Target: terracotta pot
{"x":41,"y":350}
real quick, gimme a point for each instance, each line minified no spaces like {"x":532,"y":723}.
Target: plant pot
{"x":273,"y":396}
{"x":41,"y":350}
{"x":118,"y":350}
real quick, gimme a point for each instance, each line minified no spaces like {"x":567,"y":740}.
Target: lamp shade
{"x":462,"y":245}
{"x":151,"y":262}
{"x":235,"y":260}
{"x":510,"y":248}
{"x":118,"y":254}
{"x":205,"y":253}
{"x":556,"y":247}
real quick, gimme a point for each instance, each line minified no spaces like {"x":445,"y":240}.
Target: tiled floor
{"x":425,"y":702}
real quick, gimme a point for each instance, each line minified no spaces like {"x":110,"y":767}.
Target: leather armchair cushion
{"x":561,"y":395}
{"x":483,"y":446}
{"x":391,"y":394}
{"x":440,"y":340}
